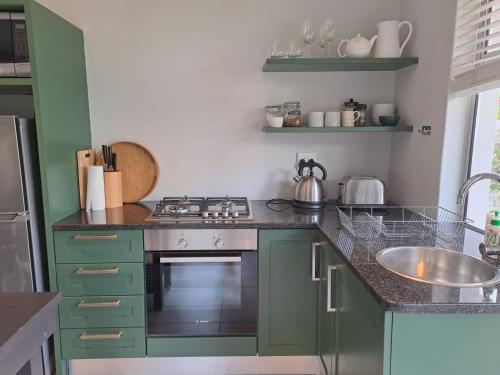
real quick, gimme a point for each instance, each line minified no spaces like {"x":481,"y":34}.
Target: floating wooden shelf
{"x":337,"y":64}
{"x":361,"y":129}
{"x":15,"y":85}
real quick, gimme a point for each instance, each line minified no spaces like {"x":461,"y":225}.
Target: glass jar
{"x":290,"y":107}
{"x":361,"y":121}
{"x":274,"y":116}
{"x":293,"y":119}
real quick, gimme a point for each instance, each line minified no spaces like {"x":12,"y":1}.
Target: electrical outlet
{"x":305,"y":155}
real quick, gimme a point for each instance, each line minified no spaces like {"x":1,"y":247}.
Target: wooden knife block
{"x":113,"y":191}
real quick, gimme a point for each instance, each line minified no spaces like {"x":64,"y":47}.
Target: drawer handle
{"x":104,"y":271}
{"x":111,"y":237}
{"x":111,"y":304}
{"x":101,"y":336}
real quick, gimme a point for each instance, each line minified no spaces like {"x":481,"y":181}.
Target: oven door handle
{"x":234,"y":259}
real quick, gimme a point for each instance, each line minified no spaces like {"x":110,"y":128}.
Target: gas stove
{"x":202,"y":210}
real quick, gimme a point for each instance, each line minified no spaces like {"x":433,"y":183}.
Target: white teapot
{"x":357,"y":46}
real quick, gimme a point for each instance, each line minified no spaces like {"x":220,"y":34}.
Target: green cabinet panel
{"x":106,"y":279}
{"x":288,"y":297}
{"x":327,"y":315}
{"x":103,"y":343}
{"x":360,"y":336}
{"x":109,"y":311}
{"x":201,"y":346}
{"x":446,"y":344}
{"x":99,"y":246}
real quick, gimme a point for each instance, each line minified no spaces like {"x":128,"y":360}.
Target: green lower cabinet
{"x":103,"y":343}
{"x":288,"y":295}
{"x":201,"y":346}
{"x":109,"y":311}
{"x":106,"y":279}
{"x":327,"y":318}
{"x":445,"y":344}
{"x":361,"y":329}
{"x":99,"y":246}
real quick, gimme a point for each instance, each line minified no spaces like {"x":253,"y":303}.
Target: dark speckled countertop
{"x":393,"y":292}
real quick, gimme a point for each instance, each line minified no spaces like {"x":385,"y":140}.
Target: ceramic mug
{"x":332,"y":119}
{"x":382,"y":109}
{"x":316,"y":119}
{"x":349,"y":118}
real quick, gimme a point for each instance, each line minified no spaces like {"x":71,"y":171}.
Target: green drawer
{"x":99,"y":246}
{"x":111,"y":311}
{"x":103,"y":343}
{"x":107,"y":279}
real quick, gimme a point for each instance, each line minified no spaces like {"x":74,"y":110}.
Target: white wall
{"x":422,"y":95}
{"x":184,"y":78}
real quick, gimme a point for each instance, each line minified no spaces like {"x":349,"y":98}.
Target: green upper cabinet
{"x":288,"y":295}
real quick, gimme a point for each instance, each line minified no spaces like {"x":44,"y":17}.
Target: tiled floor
{"x":199,"y":366}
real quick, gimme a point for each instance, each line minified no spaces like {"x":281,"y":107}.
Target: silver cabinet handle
{"x":103,"y":271}
{"x":314,"y":253}
{"x":111,"y":237}
{"x":329,"y":299}
{"x":111,"y":304}
{"x":200,"y":259}
{"x":101,"y":336}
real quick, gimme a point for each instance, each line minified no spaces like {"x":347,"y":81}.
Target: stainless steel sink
{"x":439,"y":266}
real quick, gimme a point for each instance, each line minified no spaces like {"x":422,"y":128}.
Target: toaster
{"x":365,"y":190}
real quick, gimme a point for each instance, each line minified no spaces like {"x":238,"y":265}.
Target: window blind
{"x":476,"y":52}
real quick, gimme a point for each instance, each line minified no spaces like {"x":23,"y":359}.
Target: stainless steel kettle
{"x":309,"y":191}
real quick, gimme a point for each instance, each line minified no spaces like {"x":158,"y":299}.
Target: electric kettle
{"x":309,"y":191}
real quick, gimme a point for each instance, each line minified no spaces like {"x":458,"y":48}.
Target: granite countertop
{"x":17,"y":309}
{"x":393,"y":292}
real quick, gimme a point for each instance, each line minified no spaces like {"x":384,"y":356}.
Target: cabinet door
{"x":288,"y":295}
{"x":360,"y":343}
{"x":327,"y":314}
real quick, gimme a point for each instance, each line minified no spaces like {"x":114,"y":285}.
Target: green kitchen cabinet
{"x":327,"y":315}
{"x":103,"y":343}
{"x":99,"y":246}
{"x":288,"y":292}
{"x":352,"y":335}
{"x":361,"y":327}
{"x":102,"y":311}
{"x":89,"y":279}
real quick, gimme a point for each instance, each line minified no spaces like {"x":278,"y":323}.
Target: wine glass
{"x":293,"y":48}
{"x":323,"y":39}
{"x":329,"y":30}
{"x":277,"y":50}
{"x":308,"y":34}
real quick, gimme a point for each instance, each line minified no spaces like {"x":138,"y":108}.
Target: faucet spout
{"x":464,"y":190}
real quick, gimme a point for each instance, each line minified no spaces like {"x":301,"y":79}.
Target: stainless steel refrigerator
{"x":22,"y":241}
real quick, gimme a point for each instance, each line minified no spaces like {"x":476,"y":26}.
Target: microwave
{"x":14,"y":56}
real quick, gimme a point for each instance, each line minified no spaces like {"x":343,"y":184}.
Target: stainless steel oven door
{"x":201,"y":293}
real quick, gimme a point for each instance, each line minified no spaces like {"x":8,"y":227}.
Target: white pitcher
{"x":388,"y":38}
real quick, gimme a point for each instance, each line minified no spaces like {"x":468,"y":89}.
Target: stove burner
{"x":204,"y":210}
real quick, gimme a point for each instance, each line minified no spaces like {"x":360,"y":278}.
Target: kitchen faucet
{"x":464,"y":190}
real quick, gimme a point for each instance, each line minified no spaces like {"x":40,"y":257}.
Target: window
{"x":476,"y":52}
{"x":485,"y":156}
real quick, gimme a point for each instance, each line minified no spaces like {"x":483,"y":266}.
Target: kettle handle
{"x":311,"y":164}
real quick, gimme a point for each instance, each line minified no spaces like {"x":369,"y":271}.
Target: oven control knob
{"x":215,"y":214}
{"x":225,"y":214}
{"x":182,"y":243}
{"x":219,"y":242}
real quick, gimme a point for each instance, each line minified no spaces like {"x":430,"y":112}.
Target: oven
{"x":201,"y":282}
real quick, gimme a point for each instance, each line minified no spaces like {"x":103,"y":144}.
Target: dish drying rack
{"x":422,"y":225}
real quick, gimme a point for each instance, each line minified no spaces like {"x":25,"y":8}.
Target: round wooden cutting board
{"x":140,"y":171}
